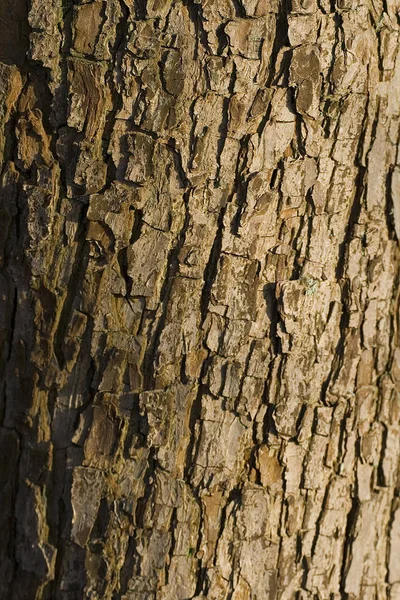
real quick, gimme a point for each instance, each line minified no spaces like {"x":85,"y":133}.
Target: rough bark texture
{"x":200,"y":213}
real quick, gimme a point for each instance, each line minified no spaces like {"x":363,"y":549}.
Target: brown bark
{"x":200,"y":208}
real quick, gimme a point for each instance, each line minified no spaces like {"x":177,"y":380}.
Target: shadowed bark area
{"x":199,"y":288}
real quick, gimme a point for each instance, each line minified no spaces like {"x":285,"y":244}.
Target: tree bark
{"x":200,"y":208}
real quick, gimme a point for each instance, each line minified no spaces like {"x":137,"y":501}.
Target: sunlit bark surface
{"x":200,"y":214}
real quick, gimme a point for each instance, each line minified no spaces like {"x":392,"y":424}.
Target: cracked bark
{"x":199,"y":280}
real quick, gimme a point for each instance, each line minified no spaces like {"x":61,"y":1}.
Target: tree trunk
{"x":200,"y":215}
